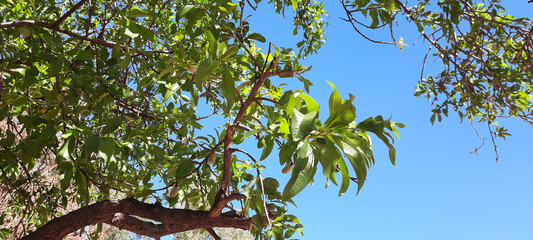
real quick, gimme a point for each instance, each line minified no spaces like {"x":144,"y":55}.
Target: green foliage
{"x":485,"y":53}
{"x":120,"y":95}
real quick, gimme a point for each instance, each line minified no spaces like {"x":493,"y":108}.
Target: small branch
{"x":217,"y":208}
{"x":243,"y":46}
{"x":66,"y":15}
{"x":351,"y":20}
{"x":283,"y":73}
{"x":264,"y":198}
{"x":213,"y":233}
{"x":269,"y":100}
{"x":245,"y":152}
{"x":493,"y":141}
{"x":23,"y":23}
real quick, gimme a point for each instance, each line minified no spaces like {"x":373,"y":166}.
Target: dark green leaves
{"x":205,"y":69}
{"x":257,"y":36}
{"x":228,"y":89}
{"x":111,"y":125}
{"x":303,"y":171}
{"x":378,"y":126}
{"x":184,"y":168}
{"x":329,"y":157}
{"x":302,"y":124}
{"x":142,"y":30}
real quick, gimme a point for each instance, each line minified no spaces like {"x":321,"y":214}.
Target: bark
{"x":126,"y":214}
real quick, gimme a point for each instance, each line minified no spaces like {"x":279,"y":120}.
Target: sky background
{"x":438,"y":188}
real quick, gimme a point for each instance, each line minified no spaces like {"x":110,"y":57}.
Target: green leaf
{"x":85,"y":55}
{"x":106,"y":148}
{"x":360,"y":155}
{"x":90,"y":146}
{"x":302,"y":124}
{"x":310,"y":103}
{"x":345,"y":177}
{"x":230,"y":53}
{"x":294,"y":4}
{"x":65,"y":150}
{"x":329,"y":157}
{"x":142,"y":30}
{"x":374,"y":17}
{"x":239,"y":140}
{"x":167,"y":71}
{"x":285,"y":153}
{"x":377,"y":126}
{"x":175,"y":87}
{"x":205,"y":69}
{"x":184,"y":168}
{"x":184,"y":11}
{"x":125,"y":63}
{"x":111,"y":125}
{"x":303,"y":172}
{"x":138,"y":12}
{"x":271,"y":185}
{"x":268,"y":146}
{"x":335,"y":102}
{"x":257,"y":37}
{"x":228,"y":89}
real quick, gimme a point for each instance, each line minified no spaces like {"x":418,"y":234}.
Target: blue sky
{"x":438,"y":189}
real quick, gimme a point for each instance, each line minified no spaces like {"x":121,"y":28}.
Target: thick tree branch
{"x":120,"y":213}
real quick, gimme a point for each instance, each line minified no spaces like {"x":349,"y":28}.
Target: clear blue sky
{"x":437,"y":190}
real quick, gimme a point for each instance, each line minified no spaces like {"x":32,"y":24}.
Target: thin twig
{"x":66,"y":15}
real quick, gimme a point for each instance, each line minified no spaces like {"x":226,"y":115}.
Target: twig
{"x":66,"y":15}
{"x":22,"y":23}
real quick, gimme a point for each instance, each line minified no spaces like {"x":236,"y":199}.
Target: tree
{"x":114,"y":96}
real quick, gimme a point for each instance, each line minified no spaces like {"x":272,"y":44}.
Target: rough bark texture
{"x":120,"y":213}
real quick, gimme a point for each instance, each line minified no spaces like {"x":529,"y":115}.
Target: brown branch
{"x":243,"y":46}
{"x":220,"y":198}
{"x":283,"y":73}
{"x":351,"y":20}
{"x":70,"y":12}
{"x":269,"y":100}
{"x":120,"y":213}
{"x":213,"y":233}
{"x":245,"y":152}
{"x":221,"y":202}
{"x":22,"y":23}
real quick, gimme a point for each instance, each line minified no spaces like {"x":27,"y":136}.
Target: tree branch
{"x":120,"y":213}
{"x":223,"y":193}
{"x":66,"y":15}
{"x":217,"y":208}
{"x":213,"y":233}
{"x":22,"y":23}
